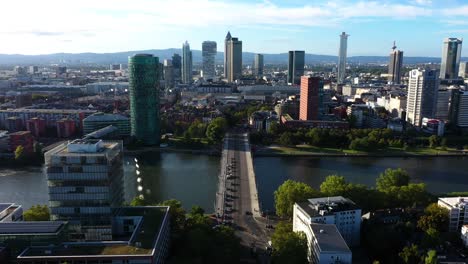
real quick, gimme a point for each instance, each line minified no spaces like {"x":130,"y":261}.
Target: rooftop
{"x":329,"y":238}
{"x":88,"y":147}
{"x":51,"y":111}
{"x":101,"y":117}
{"x":27,"y":228}
{"x":327,"y":206}
{"x":454,"y":201}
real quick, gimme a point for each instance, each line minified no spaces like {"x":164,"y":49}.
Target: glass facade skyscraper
{"x":395,"y":65}
{"x":296,"y":63}
{"x":342,"y":53}
{"x":209,"y":55}
{"x":258,"y":65}
{"x":144,"y":98}
{"x":233,"y":59}
{"x":450,"y":63}
{"x":186,"y":63}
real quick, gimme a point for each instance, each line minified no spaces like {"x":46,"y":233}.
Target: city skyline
{"x":257,"y":23}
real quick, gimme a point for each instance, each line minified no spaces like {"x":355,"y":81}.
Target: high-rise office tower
{"x":177,"y":65}
{"x":311,"y":104}
{"x":296,"y":63}
{"x":85,"y":179}
{"x":342,"y":53}
{"x":186,"y":63}
{"x":209,"y":56}
{"x":258,"y":65}
{"x":463,"y":71}
{"x":228,"y":38}
{"x":451,"y":52}
{"x":459,"y":108}
{"x":422,"y":95}
{"x":394,"y":66}
{"x":233,"y":58}
{"x":168,"y":74}
{"x":144,"y":98}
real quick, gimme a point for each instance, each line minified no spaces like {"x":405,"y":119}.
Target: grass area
{"x":90,"y":250}
{"x":311,"y":150}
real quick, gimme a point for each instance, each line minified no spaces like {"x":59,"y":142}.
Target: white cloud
{"x":422,"y":2}
{"x":456,"y":11}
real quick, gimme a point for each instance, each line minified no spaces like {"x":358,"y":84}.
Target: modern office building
{"x":458,"y":211}
{"x":342,"y":53}
{"x":451,"y":52}
{"x":168,"y":74}
{"x":85,"y":179}
{"x":394,"y":66}
{"x":233,"y":58}
{"x":209,"y":55}
{"x":187,"y":73}
{"x":226,"y":39}
{"x":421,"y":102}
{"x":463,"y":70}
{"x":327,"y":246}
{"x":443,"y":103}
{"x":459,"y":108}
{"x":144,"y":98}
{"x":296,"y":61}
{"x":258,"y":65}
{"x":177,"y":65}
{"x":311,"y":104}
{"x":100,"y":120}
{"x":337,"y":210}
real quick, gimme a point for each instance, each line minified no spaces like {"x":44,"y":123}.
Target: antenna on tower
{"x":394,"y":45}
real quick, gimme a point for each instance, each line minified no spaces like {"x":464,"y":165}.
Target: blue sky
{"x":266,"y":26}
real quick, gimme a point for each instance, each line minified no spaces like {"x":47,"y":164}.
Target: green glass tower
{"x":144,"y":98}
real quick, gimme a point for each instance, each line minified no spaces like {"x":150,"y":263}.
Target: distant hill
{"x":247,"y":57}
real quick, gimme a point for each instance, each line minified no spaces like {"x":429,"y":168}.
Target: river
{"x":192,"y":178}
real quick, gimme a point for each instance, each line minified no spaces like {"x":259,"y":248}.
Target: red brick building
{"x":66,"y":128}
{"x":22,"y":138}
{"x":311,"y":106}
{"x":36,"y":126}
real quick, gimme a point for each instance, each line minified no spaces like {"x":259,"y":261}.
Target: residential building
{"x":458,"y":211}
{"x":23,"y":100}
{"x":395,"y":65}
{"x":187,"y":72}
{"x":422,"y":95}
{"x":463,"y":70}
{"x":168,"y":74}
{"x":37,"y":126}
{"x":33,"y":69}
{"x":233,"y":58}
{"x":464,"y":235}
{"x":342,"y":53}
{"x":4,"y":141}
{"x":61,"y":70}
{"x":177,"y":65}
{"x":144,"y":98}
{"x":85,"y":179}
{"x":336,"y":210}
{"x":451,"y":52}
{"x":262,"y":120}
{"x":100,"y":120}
{"x":311,"y":104}
{"x":459,"y":108}
{"x":291,"y":123}
{"x":326,"y":245}
{"x":14,"y":124}
{"x":209,"y":55}
{"x":24,"y":139}
{"x":66,"y":128}
{"x":258,"y":65}
{"x":296,"y":62}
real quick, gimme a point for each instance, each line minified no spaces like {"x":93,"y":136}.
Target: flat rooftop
{"x":454,"y":201}
{"x":329,"y":238}
{"x":29,"y":228}
{"x":327,"y":205}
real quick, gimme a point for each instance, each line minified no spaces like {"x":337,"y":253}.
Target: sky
{"x":265,"y":26}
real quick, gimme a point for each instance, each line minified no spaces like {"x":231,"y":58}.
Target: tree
{"x":37,"y":213}
{"x":410,"y":254}
{"x":431,"y":238}
{"x":177,"y":214}
{"x":138,"y":201}
{"x":288,"y":246}
{"x":287,"y":139}
{"x":19,"y":152}
{"x":431,"y":257}
{"x":216,"y":129}
{"x":435,"y":217}
{"x":434,"y":141}
{"x":197,"y":210}
{"x":392,"y":178}
{"x":334,"y":185}
{"x":291,"y":192}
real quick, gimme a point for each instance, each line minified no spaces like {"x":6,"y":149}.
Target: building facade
{"x":342,"y":54}
{"x":101,"y":120}
{"x":233,"y":58}
{"x":458,"y":211}
{"x":177,"y":65}
{"x":463,"y":70}
{"x":258,"y":65}
{"x":451,"y":53}
{"x":422,"y":95}
{"x":311,"y":102}
{"x":296,"y":62}
{"x":395,"y":65}
{"x":209,"y":55}
{"x":459,"y":108}
{"x":85,"y":179}
{"x":144,"y":98}
{"x":327,"y":246}
{"x":168,"y":74}
{"x":187,"y":72}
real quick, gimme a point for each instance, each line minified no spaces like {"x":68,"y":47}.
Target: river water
{"x":192,"y":179}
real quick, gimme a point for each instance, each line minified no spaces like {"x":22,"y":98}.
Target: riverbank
{"x":309,"y":151}
{"x":142,"y":150}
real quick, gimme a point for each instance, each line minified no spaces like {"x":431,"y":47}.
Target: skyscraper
{"x":144,"y":98}
{"x":186,"y":63}
{"x":177,"y":65}
{"x":342,"y":57}
{"x":459,"y":108}
{"x":258,"y":65}
{"x":296,"y":63}
{"x":168,"y":74}
{"x":233,"y":58}
{"x":85,"y":179}
{"x":451,"y":52}
{"x":311,"y":104}
{"x":422,"y":95}
{"x":394,"y":67}
{"x":228,"y":38}
{"x":463,"y":71}
{"x":209,"y":55}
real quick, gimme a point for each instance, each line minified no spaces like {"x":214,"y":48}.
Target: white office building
{"x":336,"y":210}
{"x":422,"y":95}
{"x":327,"y":246}
{"x":458,"y":211}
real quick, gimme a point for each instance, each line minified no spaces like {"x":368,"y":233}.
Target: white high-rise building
{"x":458,"y":211}
{"x":186,"y":63}
{"x":451,"y":53}
{"x":463,"y":70}
{"x":422,"y":95}
{"x":209,"y":55}
{"x":342,"y":57}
